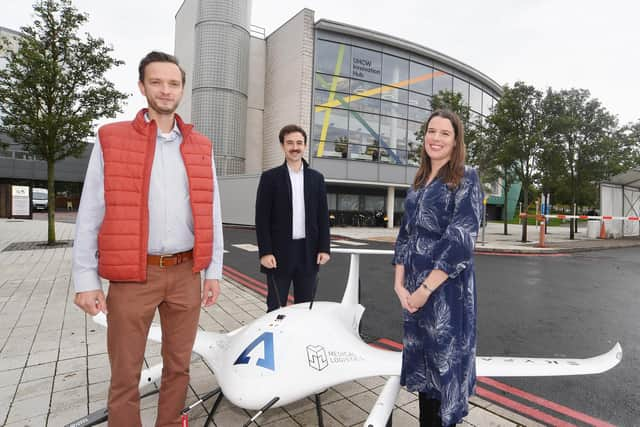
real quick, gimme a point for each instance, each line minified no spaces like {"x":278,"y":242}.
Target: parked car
{"x":40,"y":199}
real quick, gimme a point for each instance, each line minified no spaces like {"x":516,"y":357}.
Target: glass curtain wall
{"x":369,"y":105}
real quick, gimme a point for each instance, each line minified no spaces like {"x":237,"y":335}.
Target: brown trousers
{"x":175,"y":292}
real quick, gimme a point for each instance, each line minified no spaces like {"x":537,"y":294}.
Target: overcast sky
{"x":563,"y":44}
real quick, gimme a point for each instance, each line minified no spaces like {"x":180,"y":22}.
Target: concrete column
{"x":391,"y":199}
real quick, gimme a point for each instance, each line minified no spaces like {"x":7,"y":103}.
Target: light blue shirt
{"x":170,"y":218}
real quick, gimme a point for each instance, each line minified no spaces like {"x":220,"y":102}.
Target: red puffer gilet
{"x":128,"y":149}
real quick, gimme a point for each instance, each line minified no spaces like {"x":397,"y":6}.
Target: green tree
{"x":53,"y":88}
{"x":516,"y":127}
{"x":585,"y":135}
{"x":627,"y":154}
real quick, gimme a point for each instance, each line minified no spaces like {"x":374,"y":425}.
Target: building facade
{"x":362,"y":95}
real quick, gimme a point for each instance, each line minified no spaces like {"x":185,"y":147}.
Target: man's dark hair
{"x":291,"y":129}
{"x":156,"y":56}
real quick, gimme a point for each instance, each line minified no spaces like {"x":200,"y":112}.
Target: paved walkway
{"x":54,"y":367}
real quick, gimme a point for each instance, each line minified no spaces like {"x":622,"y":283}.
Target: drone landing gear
{"x":273,"y":402}
{"x":100,"y":416}
{"x":261,"y":411}
{"x":319,"y":410}
{"x":185,"y":411}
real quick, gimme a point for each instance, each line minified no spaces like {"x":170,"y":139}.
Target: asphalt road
{"x":576,"y":305}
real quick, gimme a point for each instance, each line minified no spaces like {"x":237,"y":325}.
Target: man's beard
{"x":162,"y":109}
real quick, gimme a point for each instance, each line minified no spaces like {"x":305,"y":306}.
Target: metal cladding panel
{"x":226,"y":127}
{"x":221,"y":79}
{"x":236,"y":12}
{"x":223,"y":57}
{"x":331,"y":169}
{"x":391,"y":173}
{"x":362,"y":171}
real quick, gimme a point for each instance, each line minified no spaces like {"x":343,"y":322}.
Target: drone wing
{"x":546,"y":367}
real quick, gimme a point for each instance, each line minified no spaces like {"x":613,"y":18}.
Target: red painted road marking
{"x":544,"y":402}
{"x":258,"y":289}
{"x":479,"y":251}
{"x":250,"y":282}
{"x":523,"y":409}
{"x":390,"y":343}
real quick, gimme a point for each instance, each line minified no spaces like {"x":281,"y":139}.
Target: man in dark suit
{"x":292,"y":223}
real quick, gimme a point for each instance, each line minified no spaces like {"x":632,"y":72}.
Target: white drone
{"x":304,"y":349}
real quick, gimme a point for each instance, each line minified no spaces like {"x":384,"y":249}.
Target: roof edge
{"x":367,"y":34}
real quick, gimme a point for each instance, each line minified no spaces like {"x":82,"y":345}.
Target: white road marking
{"x":350,"y":242}
{"x":246,"y":247}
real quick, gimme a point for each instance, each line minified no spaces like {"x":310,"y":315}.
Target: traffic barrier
{"x":602,"y":218}
{"x":542,"y":232}
{"x":599,"y":217}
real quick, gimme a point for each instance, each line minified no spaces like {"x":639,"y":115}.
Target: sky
{"x":564,"y":44}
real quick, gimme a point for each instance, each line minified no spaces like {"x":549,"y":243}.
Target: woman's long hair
{"x":453,"y":171}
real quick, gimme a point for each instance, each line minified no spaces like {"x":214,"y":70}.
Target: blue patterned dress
{"x":438,"y":231}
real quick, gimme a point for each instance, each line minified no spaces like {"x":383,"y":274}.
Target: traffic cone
{"x":603,"y":231}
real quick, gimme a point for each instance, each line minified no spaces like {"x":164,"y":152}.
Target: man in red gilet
{"x":149,"y":222}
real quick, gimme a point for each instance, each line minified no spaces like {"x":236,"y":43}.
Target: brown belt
{"x":169,"y":260}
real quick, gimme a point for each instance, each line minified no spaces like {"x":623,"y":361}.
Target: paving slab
{"x":54,"y":367}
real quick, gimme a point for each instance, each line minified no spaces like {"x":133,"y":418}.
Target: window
{"x":442,"y":81}
{"x":418,"y":100}
{"x":331,"y":201}
{"x":330,"y":124}
{"x":360,"y":87}
{"x":421,"y":77}
{"x":366,"y":64}
{"x":418,"y":114}
{"x":461,"y":87}
{"x":475,"y":98}
{"x":392,"y":94}
{"x":396,"y":157}
{"x":326,"y":82}
{"x":399,"y":204}
{"x":367,"y":105}
{"x":333,"y":58}
{"x":393,"y":132}
{"x":413,"y":130}
{"x":394,"y":70}
{"x":487,"y":104}
{"x":394,"y":109}
{"x":364,"y":152}
{"x":373,"y":203}
{"x":337,"y":150}
{"x":364,"y":128}
{"x":348,"y":202}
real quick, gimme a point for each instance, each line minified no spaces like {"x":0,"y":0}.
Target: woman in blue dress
{"x":434,"y":275}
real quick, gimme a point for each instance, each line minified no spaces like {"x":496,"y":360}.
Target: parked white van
{"x":40,"y":199}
